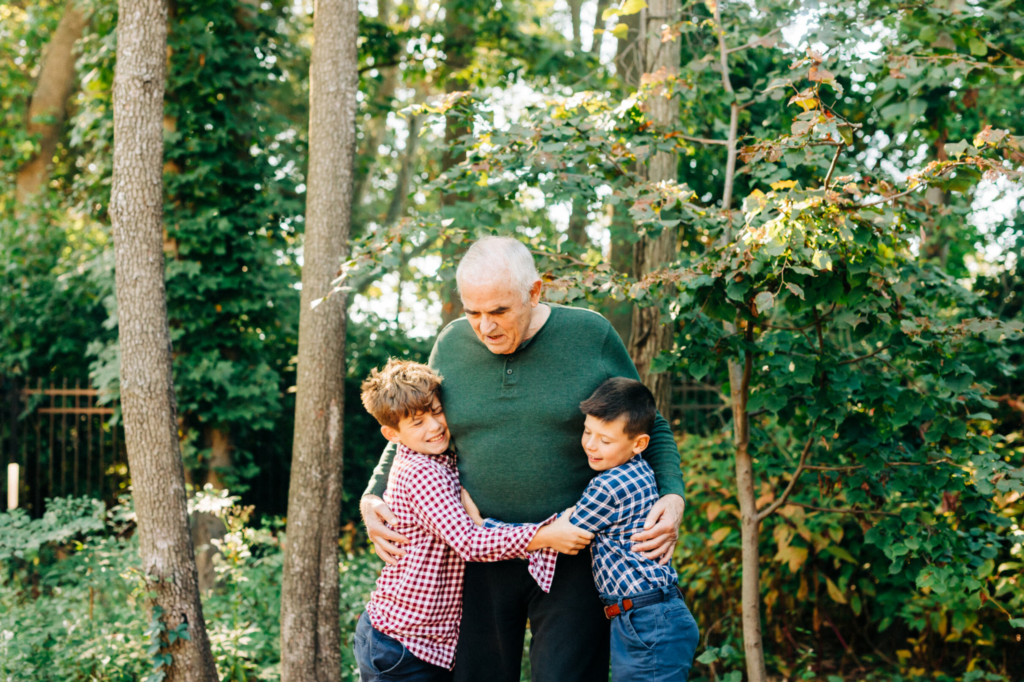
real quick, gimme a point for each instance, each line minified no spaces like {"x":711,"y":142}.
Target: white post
{"x":12,"y":486}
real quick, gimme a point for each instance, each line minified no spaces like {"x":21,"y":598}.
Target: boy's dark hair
{"x":620,"y":396}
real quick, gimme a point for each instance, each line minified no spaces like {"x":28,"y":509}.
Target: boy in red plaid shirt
{"x":411,"y":624}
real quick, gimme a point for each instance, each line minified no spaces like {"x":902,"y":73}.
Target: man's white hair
{"x":494,"y":260}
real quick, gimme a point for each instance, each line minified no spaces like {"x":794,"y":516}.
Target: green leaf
{"x":764,"y":301}
{"x":958,"y":149}
{"x":978,"y":47}
{"x":1017,"y":622}
{"x":710,"y":655}
{"x":795,"y":290}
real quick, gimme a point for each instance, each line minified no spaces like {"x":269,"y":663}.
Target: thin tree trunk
{"x":53,"y":88}
{"x":595,"y":45}
{"x":649,"y":337}
{"x":578,"y":222}
{"x":310,"y":631}
{"x":207,"y":527}
{"x":147,"y":391}
{"x":739,"y":389}
{"x":398,"y":199}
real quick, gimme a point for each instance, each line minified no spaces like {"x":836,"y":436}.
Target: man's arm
{"x":661,"y":528}
{"x":379,"y":478}
{"x":661,"y":453}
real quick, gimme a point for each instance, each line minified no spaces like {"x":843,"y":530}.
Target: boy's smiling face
{"x":607,"y":445}
{"x":425,"y":432}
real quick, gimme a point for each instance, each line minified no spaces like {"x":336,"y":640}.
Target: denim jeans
{"x":654,"y":643}
{"x":382,"y":658}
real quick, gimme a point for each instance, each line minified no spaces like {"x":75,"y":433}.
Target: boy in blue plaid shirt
{"x":654,"y":636}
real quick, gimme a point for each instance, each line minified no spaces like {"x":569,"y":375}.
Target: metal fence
{"x":61,"y":441}
{"x":698,"y":408}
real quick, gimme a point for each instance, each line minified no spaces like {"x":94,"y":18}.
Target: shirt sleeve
{"x":661,"y":453}
{"x":435,"y":500}
{"x":542,"y":561}
{"x":597,"y":509}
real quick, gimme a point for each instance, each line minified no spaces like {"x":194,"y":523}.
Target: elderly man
{"x":515,"y":371}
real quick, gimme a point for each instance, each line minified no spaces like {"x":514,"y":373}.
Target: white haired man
{"x":515,"y":373}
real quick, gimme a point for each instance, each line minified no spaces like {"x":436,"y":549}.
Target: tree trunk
{"x":595,"y":45}
{"x":574,"y":15}
{"x":629,"y":63}
{"x":207,"y":527}
{"x":739,"y":389}
{"x":458,"y":45}
{"x":397,"y":205}
{"x":310,"y":633}
{"x":53,"y":88}
{"x":147,"y":391}
{"x":649,"y":336}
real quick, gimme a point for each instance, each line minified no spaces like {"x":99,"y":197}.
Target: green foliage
{"x":73,"y":605}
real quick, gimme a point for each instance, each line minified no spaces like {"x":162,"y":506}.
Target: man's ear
{"x":535,"y":293}
{"x":389,"y":433}
{"x":640,"y":444}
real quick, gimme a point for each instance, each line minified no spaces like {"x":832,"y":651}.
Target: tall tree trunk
{"x":53,"y":88}
{"x":459,"y":43}
{"x":649,"y":336}
{"x":629,"y":63}
{"x":739,"y":390}
{"x":147,"y":390}
{"x":310,"y":634}
{"x":575,"y":6}
{"x":595,"y":45}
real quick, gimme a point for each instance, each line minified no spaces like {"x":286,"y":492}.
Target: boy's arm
{"x":437,"y":506}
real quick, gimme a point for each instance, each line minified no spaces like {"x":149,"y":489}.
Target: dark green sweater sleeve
{"x":662,"y":453}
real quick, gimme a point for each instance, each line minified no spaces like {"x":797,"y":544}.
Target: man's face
{"x":607,"y":445}
{"x":425,"y":432}
{"x":499,"y":316}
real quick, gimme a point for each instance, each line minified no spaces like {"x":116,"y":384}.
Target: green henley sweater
{"x":515,"y":419}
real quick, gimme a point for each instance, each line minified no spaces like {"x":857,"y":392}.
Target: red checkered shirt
{"x":419,"y":600}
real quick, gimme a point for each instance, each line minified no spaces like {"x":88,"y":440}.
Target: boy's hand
{"x":471,"y":508}
{"x":661,"y":529}
{"x":561,"y":536}
{"x":385,"y":541}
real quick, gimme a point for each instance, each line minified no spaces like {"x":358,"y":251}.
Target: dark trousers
{"x":382,"y":658}
{"x":570,"y":633}
{"x":654,"y":643}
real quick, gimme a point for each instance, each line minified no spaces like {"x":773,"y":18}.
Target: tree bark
{"x":147,"y":391}
{"x":310,"y":633}
{"x":649,"y":336}
{"x":53,"y":88}
{"x":401,"y":193}
{"x":575,"y":6}
{"x":595,"y":44}
{"x":207,"y":527}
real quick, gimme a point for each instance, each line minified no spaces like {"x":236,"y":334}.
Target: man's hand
{"x":471,"y":508}
{"x":561,"y":536}
{"x":385,"y":541}
{"x":661,"y":529}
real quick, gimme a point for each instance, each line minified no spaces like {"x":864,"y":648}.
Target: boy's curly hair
{"x":401,"y":389}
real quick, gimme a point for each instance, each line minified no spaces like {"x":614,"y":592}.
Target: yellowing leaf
{"x":764,"y":301}
{"x":834,"y":592}
{"x":631,"y":7}
{"x":822,"y":260}
{"x":620,"y":31}
{"x":784,"y":184}
{"x":713,"y":510}
{"x":718,"y":536}
{"x":794,"y":556}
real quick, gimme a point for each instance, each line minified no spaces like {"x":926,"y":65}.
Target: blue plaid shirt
{"x":614,"y":507}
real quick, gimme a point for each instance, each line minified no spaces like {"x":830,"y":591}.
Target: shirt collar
{"x":446,"y":457}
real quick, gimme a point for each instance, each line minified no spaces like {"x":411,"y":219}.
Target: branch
{"x":371,"y":67}
{"x":894,"y":196}
{"x":704,"y":140}
{"x":810,"y":467}
{"x":842,"y":511}
{"x":865,"y":357}
{"x":832,"y":168}
{"x":754,"y":43}
{"x":770,"y":509}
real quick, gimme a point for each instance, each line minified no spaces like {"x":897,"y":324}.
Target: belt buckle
{"x":614,"y":611}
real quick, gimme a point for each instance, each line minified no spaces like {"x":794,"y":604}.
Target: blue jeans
{"x":382,"y":658}
{"x":654,"y":643}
